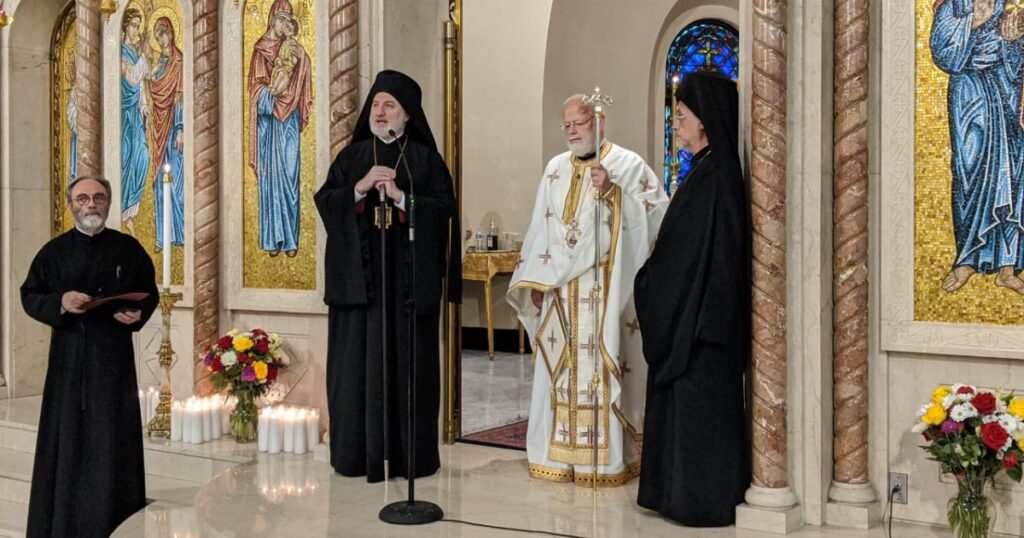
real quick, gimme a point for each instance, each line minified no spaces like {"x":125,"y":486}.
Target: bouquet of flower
{"x":973,"y":434}
{"x":246,"y":364}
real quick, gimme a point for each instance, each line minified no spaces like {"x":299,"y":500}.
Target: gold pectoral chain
{"x":382,"y":214}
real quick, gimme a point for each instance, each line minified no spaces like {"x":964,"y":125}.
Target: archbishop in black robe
{"x":88,"y":474}
{"x":354,"y":284}
{"x":692,"y":301}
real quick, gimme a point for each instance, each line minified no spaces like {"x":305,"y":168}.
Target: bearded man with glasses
{"x":554,"y":295}
{"x":88,"y":474}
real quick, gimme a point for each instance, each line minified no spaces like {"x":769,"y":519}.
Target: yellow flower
{"x":261,"y":370}
{"x":934,"y":415}
{"x":242,"y":344}
{"x":1020,"y":443}
{"x":940,"y":394}
{"x":1016,"y":407}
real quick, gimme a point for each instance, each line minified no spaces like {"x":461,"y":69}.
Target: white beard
{"x":581,"y":149}
{"x":382,"y":132}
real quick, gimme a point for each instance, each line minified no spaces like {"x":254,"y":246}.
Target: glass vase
{"x":971,"y":513}
{"x":244,"y":418}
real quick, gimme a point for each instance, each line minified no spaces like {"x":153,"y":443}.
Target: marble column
{"x":88,"y":86}
{"x":344,"y":72}
{"x":850,"y":482}
{"x":769,"y":494}
{"x":206,"y":108}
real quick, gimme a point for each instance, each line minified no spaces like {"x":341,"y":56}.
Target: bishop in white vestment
{"x":579,"y":331}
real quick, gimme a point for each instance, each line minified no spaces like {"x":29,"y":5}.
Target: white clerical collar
{"x":97,"y":232}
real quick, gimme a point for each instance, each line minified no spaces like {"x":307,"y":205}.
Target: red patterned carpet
{"x":508,"y":436}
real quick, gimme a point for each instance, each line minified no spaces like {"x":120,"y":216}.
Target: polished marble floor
{"x":294,"y":496}
{"x":494,"y":393}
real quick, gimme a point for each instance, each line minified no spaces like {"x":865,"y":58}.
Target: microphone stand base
{"x":411,"y":513}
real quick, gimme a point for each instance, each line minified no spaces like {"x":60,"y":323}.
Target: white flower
{"x":228,"y":359}
{"x":962,"y":412}
{"x":1009,"y":423}
{"x":232,"y":332}
{"x":948,"y":401}
{"x":988,"y":419}
{"x":919,"y":427}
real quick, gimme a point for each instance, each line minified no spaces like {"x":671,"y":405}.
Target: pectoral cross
{"x":546,"y":256}
{"x":633,"y":326}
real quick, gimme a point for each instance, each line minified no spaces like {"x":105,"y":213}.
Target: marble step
{"x":17,"y":436}
{"x":13,"y":517}
{"x":15,"y":475}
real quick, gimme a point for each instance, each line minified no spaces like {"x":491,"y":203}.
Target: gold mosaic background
{"x":62,"y":82}
{"x":259,"y":269}
{"x":979,"y":301}
{"x":145,"y":223}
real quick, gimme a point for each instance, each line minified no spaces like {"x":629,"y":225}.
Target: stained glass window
{"x":704,"y":45}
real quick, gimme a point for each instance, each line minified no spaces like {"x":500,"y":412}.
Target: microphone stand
{"x":411,"y":511}
{"x":382,"y":219}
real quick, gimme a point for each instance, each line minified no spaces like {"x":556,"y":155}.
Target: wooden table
{"x":482,"y":267}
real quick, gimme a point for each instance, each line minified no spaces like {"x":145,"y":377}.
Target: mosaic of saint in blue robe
{"x":278,"y":145}
{"x":985,"y":134}
{"x":176,"y":158}
{"x":72,"y":118}
{"x":134,"y":147}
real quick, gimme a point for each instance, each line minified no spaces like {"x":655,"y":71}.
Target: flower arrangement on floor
{"x":974,"y":435}
{"x":246,"y":364}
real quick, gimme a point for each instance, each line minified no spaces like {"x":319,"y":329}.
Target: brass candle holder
{"x":160,"y":426}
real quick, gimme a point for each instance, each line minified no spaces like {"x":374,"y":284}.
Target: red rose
{"x":271,"y":373}
{"x":984,"y":402}
{"x":994,"y":436}
{"x":225,"y":342}
{"x":217,"y":366}
{"x":1010,"y":461}
{"x":244,"y":358}
{"x":262,"y":346}
{"x":965,"y":390}
{"x":257,"y":333}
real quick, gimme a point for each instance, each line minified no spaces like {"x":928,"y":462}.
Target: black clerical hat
{"x":403,"y":88}
{"x":715,"y":101}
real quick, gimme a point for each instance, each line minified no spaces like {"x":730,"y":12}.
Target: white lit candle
{"x":196,"y":412}
{"x":261,"y":430}
{"x":167,"y":226}
{"x":143,"y":407}
{"x":274,"y":432}
{"x":299,"y":423}
{"x":288,"y":419}
{"x":152,"y":399}
{"x":176,"y":416}
{"x":206,"y":412}
{"x":312,"y":429}
{"x":215,"y":430}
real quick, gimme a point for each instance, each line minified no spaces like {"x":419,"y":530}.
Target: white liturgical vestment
{"x":557,"y":258}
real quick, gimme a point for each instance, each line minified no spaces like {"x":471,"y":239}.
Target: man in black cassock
{"x":392,"y":152}
{"x":88,"y":474}
{"x":692,"y":302}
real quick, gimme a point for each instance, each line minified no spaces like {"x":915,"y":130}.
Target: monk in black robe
{"x":392,"y":152}
{"x":88,"y":474}
{"x":692,"y":302}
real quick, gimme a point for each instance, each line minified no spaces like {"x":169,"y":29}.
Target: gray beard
{"x":582,"y":149}
{"x":90,"y":224}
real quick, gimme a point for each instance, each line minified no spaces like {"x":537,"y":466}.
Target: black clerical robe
{"x":692,"y":300}
{"x":353,"y":293}
{"x":88,"y":474}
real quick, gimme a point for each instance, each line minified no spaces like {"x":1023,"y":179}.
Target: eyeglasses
{"x":577,"y":124}
{"x":98,"y":199}
{"x":680,"y":117}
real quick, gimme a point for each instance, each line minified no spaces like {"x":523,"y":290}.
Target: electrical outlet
{"x":899,"y":482}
